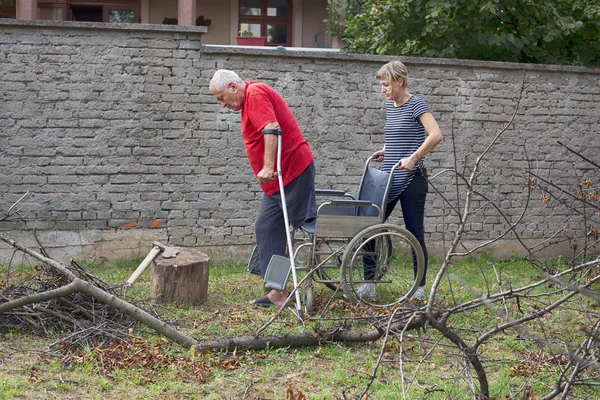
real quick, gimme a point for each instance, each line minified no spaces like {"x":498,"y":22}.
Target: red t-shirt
{"x":263,"y":105}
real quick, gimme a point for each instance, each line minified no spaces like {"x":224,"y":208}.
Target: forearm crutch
{"x":279,"y":284}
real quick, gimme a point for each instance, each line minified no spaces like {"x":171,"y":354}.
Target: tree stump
{"x":183,"y":278}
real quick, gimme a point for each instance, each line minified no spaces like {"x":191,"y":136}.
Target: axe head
{"x":167,"y":252}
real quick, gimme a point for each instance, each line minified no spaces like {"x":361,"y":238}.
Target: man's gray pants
{"x":270,"y":226}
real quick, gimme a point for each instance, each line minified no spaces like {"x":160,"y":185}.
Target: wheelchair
{"x":349,"y":245}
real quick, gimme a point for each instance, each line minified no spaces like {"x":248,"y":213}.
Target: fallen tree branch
{"x":307,"y":339}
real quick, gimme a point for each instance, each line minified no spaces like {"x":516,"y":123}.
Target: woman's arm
{"x":434,"y":137}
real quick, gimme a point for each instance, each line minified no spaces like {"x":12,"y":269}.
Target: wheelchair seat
{"x":344,"y":218}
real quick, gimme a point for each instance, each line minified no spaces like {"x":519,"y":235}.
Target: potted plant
{"x":246,"y":38}
{"x":200,"y":21}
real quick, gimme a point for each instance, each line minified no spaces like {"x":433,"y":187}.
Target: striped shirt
{"x":404,"y":134}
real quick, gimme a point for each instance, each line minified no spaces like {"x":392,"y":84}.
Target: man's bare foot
{"x":277,"y":298}
{"x":273,"y":298}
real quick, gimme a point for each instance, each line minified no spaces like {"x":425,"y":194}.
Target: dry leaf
{"x":593,"y":232}
{"x":192,"y":353}
{"x":319,"y":352}
{"x":291,"y":394}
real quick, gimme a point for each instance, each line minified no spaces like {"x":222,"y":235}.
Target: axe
{"x":167,"y":252}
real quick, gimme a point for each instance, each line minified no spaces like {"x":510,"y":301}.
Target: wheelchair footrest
{"x":278,"y":272}
{"x":254,"y":262}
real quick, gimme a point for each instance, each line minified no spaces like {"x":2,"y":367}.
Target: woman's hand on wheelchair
{"x":378,"y":155}
{"x":406,"y":163}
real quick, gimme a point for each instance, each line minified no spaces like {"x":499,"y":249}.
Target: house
{"x":290,"y":23}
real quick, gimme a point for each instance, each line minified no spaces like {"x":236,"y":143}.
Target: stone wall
{"x":115,"y":136}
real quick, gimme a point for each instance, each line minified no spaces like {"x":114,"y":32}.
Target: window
{"x":117,"y":11}
{"x":8,"y":9}
{"x":121,"y":16}
{"x":52,"y":12}
{"x":124,"y":11}
{"x":86,"y":13}
{"x":270,"y":18}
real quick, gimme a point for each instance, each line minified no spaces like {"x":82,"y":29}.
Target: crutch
{"x":277,"y":262}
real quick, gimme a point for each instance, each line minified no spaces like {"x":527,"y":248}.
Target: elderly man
{"x":264,"y":115}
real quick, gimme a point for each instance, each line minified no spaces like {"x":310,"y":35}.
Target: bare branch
{"x":11,"y":210}
{"x":39,"y":297}
{"x":583,"y":201}
{"x":578,"y":154}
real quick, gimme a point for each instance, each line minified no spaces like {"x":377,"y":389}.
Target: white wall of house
{"x":159,"y":9}
{"x":220,"y":15}
{"x":313,"y":25}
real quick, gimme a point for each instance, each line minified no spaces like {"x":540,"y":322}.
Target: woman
{"x":411,"y":132}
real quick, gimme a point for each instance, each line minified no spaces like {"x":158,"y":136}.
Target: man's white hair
{"x":224,"y":77}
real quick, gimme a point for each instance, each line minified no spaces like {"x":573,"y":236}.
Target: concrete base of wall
{"x":104,"y":245}
{"x":88,"y":245}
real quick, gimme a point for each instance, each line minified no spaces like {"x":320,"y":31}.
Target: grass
{"x":11,"y":387}
{"x":515,"y":361}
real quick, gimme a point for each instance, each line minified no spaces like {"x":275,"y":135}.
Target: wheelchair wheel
{"x":308,"y":298}
{"x":333,"y":274}
{"x":302,"y":259}
{"x":387,"y":257}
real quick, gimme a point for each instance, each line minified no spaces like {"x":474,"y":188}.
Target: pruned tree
{"x":513,"y":309}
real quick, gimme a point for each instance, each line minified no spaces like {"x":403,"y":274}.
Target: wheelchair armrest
{"x":347,"y":208}
{"x":332,"y":192}
{"x":357,"y":203}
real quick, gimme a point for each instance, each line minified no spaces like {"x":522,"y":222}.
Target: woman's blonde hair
{"x":393,"y":71}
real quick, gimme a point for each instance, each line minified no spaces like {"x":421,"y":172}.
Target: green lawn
{"x":518,"y":362}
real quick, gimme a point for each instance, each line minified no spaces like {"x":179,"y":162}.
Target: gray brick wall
{"x":117,"y":138}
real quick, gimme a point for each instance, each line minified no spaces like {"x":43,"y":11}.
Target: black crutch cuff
{"x":277,"y":132}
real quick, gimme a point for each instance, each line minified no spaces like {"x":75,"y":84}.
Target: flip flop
{"x":263,"y":301}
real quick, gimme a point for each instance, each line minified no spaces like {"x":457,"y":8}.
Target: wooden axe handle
{"x":136,"y":274}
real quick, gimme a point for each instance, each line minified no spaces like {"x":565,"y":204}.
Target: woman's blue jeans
{"x":412,"y":202}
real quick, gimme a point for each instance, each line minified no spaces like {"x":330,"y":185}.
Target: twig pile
{"x":87,"y":320}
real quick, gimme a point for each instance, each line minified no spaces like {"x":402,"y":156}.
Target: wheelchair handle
{"x":396,"y":166}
